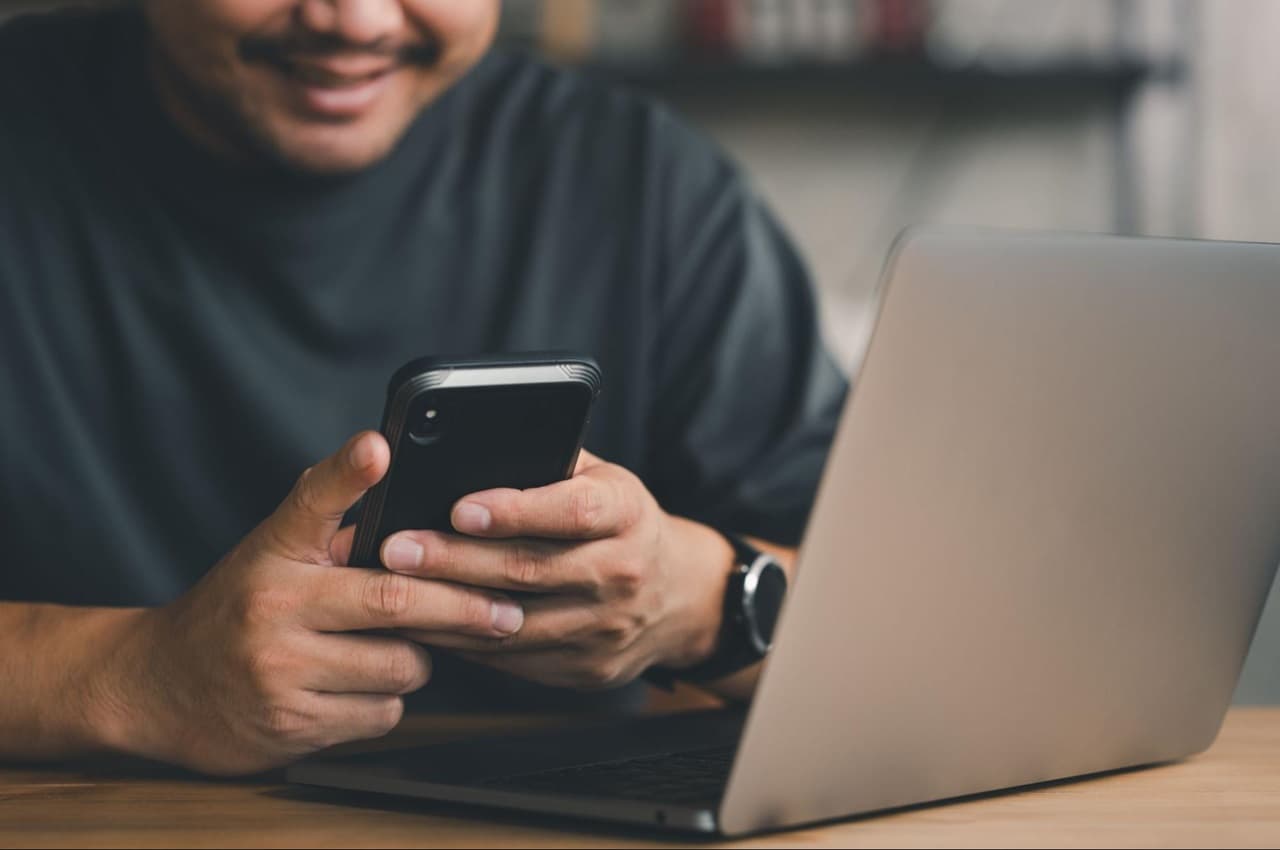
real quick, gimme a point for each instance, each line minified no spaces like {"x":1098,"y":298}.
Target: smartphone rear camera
{"x":425,"y":428}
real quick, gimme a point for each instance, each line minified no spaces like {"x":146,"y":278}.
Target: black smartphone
{"x":458,"y":426}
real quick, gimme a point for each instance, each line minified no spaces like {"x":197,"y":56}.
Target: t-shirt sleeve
{"x":747,"y":397}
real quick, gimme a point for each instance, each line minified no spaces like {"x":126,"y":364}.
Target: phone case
{"x":458,"y":426}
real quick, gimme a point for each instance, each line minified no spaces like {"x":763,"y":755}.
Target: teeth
{"x":321,"y":77}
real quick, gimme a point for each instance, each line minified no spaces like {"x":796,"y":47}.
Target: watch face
{"x":771,"y":587}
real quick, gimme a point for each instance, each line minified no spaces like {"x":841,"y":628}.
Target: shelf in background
{"x":891,"y":75}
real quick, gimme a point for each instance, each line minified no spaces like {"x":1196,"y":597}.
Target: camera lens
{"x":424,"y":426}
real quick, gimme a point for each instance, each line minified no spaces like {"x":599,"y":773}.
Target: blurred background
{"x":856,"y":118}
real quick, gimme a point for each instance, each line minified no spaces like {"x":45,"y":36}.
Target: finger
{"x":593,"y":504}
{"x":354,"y":600}
{"x":365,"y":664}
{"x":340,"y":546}
{"x":551,"y":622}
{"x":307,"y":520}
{"x":356,"y":717}
{"x":525,"y":565}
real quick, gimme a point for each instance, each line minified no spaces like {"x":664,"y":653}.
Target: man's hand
{"x":620,"y":585}
{"x":262,"y":661}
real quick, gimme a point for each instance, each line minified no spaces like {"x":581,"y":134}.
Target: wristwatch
{"x":752,"y":602}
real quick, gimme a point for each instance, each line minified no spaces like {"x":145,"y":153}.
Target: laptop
{"x":1040,"y":549}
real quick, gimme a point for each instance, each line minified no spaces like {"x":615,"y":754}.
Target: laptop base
{"x":489,"y":771}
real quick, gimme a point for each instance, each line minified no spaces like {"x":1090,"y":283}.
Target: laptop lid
{"x":1044,"y":535}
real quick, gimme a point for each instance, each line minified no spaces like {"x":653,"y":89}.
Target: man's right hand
{"x":267,"y":658}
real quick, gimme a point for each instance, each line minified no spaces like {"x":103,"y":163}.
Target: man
{"x":223,"y":224}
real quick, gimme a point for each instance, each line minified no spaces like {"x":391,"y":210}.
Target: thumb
{"x":307,"y":520}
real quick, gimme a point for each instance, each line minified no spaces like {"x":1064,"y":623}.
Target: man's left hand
{"x":611,"y":584}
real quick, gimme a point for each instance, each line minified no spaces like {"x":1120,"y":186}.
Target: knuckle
{"x":404,"y":670}
{"x":625,"y":577}
{"x":269,"y":604}
{"x":520,"y":566}
{"x":303,"y":494}
{"x":387,"y":597}
{"x":614,"y":633}
{"x":630,"y":493}
{"x":286,"y":722}
{"x":263,"y":663}
{"x":586,"y":509}
{"x":475,"y":612}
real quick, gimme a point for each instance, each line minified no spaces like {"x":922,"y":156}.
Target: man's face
{"x":318,"y":85}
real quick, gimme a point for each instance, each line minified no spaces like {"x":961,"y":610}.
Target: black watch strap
{"x":744,"y":553}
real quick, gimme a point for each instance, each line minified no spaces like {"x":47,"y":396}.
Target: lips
{"x":330,"y":75}
{"x":336,"y":89}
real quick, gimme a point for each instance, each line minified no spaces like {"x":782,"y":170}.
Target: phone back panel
{"x":456,"y":429}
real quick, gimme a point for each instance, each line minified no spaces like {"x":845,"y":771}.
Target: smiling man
{"x":223,"y":224}
{"x":322,"y":87}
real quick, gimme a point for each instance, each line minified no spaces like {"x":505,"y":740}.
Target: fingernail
{"x":401,"y":553}
{"x":361,"y":455}
{"x":471,"y":518}
{"x":508,"y":617}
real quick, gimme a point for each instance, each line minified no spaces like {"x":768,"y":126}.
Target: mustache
{"x":281,"y":50}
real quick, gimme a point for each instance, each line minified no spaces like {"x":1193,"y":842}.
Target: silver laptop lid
{"x":1045,"y":533}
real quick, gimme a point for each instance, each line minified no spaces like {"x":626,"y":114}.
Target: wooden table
{"x":1230,"y":796}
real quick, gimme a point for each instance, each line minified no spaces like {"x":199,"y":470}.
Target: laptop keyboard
{"x":697,"y":776}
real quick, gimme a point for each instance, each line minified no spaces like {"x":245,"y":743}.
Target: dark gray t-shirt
{"x":179,"y":338}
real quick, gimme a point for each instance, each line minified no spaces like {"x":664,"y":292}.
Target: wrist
{"x":705,"y":561}
{"x":115,"y":688}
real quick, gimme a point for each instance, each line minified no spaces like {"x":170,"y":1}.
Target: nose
{"x":354,"y":21}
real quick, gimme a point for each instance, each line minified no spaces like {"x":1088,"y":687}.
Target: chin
{"x":332,"y":152}
{"x":332,"y":159}
{"x":324,"y":148}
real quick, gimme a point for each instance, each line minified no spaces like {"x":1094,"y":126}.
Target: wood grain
{"x":1229,"y":796}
